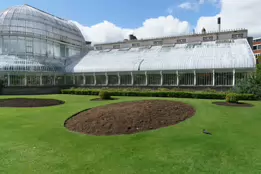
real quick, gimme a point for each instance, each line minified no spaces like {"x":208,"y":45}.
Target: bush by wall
{"x":105,"y":95}
{"x":232,"y":98}
{"x":176,"y":94}
{"x":251,"y":85}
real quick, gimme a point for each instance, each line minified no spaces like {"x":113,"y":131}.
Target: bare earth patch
{"x":129,"y":117}
{"x":29,"y":102}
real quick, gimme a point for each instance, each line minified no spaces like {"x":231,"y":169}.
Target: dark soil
{"x":129,"y":117}
{"x":233,"y":104}
{"x":28,"y":102}
{"x":99,"y":99}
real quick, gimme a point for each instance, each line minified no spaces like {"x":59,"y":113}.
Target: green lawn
{"x":35,"y":141}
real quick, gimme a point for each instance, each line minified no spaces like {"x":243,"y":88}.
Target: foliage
{"x":176,"y":94}
{"x":163,"y":89}
{"x":232,"y":98}
{"x":105,"y":95}
{"x":251,"y":85}
{"x":210,"y":90}
{"x":1,"y":85}
{"x":259,"y":59}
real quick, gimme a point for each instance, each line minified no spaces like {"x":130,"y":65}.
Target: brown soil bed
{"x":233,"y":104}
{"x":29,"y":102}
{"x":129,"y":117}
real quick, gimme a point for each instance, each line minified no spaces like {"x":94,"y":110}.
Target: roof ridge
{"x":45,"y":12}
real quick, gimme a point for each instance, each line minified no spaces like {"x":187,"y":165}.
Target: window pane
{"x":37,"y":46}
{"x":44,"y":48}
{"x":21,"y":45}
{"x":1,"y":40}
{"x":56,"y":50}
{"x":50,"y":49}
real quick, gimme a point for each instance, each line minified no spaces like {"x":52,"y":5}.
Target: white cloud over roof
{"x":153,"y":27}
{"x":234,"y":14}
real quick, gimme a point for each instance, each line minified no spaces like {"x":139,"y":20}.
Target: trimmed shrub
{"x":105,"y":95}
{"x":176,"y":94}
{"x":232,"y":98}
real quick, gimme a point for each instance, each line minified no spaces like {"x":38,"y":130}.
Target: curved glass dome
{"x":33,"y":40}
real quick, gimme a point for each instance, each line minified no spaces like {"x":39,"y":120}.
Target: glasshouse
{"x":34,"y":46}
{"x":39,"y":49}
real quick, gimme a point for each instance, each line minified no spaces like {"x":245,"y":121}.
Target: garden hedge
{"x":176,"y":94}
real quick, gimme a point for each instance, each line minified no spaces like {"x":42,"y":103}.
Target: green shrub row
{"x":176,"y":94}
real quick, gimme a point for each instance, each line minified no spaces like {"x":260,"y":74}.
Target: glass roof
{"x":27,"y":19}
{"x":208,"y":55}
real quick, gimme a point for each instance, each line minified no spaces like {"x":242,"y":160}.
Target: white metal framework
{"x":127,"y":79}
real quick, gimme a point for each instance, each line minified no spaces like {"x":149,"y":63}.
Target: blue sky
{"x":123,"y":13}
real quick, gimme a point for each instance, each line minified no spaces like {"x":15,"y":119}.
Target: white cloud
{"x":195,"y":6}
{"x":235,"y":14}
{"x":103,"y":32}
{"x":153,"y":27}
{"x":208,"y":1}
{"x":189,"y":6}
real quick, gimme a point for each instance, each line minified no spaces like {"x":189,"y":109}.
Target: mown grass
{"x":34,"y":140}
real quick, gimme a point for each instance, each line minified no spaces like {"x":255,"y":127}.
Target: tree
{"x":258,"y":59}
{"x":251,"y":85}
{"x":1,"y":85}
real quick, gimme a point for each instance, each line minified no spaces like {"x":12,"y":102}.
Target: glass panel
{"x":69,"y":80}
{"x":50,"y":48}
{"x":224,"y":79}
{"x":66,"y":52}
{"x":57,"y":50}
{"x":89,"y":80}
{"x":62,"y":50}
{"x":59,"y":80}
{"x":47,"y":80}
{"x":21,"y":45}
{"x":37,"y":46}
{"x":13,"y":45}
{"x":33,"y":80}
{"x":204,"y":79}
{"x":17,"y":80}
{"x":100,"y":79}
{"x":139,"y":79}
{"x":113,"y":79}
{"x":186,"y":79}
{"x":125,"y":79}
{"x":1,"y":40}
{"x":170,"y":79}
{"x":5,"y":45}
{"x":79,"y":80}
{"x":43,"y":48}
{"x":154,"y":79}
